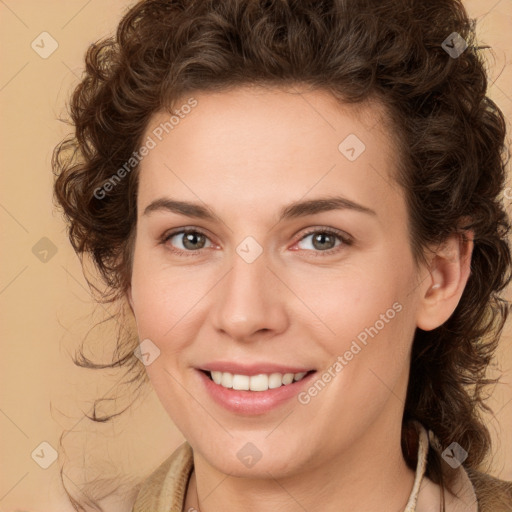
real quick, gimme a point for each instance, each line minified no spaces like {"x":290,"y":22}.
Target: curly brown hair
{"x":452,"y":165}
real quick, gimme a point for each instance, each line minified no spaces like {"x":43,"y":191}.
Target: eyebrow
{"x":293,"y":210}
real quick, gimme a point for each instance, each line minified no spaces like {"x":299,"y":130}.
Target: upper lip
{"x":252,"y":368}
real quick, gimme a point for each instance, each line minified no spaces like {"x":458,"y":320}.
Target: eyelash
{"x":346,"y":241}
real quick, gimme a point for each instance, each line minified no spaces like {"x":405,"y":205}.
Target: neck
{"x":370,"y":476}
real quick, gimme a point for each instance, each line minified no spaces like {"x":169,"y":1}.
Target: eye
{"x":187,"y":240}
{"x":324,"y":240}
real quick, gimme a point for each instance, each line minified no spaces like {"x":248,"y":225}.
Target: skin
{"x":247,"y":153}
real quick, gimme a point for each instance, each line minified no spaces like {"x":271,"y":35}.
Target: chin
{"x":259,"y":459}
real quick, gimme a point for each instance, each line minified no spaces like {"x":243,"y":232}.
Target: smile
{"x":255,"y":394}
{"x":260,"y":382}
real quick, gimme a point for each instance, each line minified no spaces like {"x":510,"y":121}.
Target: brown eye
{"x":186,"y":240}
{"x":324,"y":240}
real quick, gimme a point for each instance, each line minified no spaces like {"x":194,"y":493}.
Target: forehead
{"x":260,"y":146}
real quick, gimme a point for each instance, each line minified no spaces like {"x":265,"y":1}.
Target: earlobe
{"x":449,"y":272}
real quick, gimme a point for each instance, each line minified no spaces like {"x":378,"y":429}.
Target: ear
{"x":449,"y":271}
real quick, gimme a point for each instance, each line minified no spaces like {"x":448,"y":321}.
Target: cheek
{"x":163,"y":301}
{"x":368,"y":315}
{"x":359,"y":299}
{"x":159,"y":300}
{"x":161,"y":293}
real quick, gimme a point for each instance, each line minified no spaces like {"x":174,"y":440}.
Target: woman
{"x":300,"y":202}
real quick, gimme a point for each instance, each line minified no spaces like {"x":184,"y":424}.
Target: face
{"x":290,"y":256}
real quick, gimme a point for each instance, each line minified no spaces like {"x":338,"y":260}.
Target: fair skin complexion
{"x":246,"y":154}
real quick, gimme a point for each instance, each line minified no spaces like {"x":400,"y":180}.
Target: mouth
{"x":259,"y":383}
{"x":250,"y":387}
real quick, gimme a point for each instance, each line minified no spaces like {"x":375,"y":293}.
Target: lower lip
{"x":252,"y":402}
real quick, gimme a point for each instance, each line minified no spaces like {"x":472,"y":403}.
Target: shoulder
{"x":165,"y":487}
{"x":493,"y":494}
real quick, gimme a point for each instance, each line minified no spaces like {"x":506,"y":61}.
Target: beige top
{"x":165,"y":489}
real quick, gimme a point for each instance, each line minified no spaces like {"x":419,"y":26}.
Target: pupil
{"x":189,"y":240}
{"x":321,"y":238}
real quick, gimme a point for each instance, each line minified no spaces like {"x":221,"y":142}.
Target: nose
{"x":250,"y":301}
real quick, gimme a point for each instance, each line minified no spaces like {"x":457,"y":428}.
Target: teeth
{"x":275,"y":380}
{"x":258,"y":382}
{"x":227,"y":380}
{"x":288,"y":378}
{"x":217,"y":377}
{"x":241,"y":382}
{"x":261,"y":382}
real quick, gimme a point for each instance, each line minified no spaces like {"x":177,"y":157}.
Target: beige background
{"x":46,"y":308}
